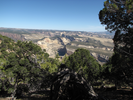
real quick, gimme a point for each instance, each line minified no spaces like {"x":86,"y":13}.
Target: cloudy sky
{"x":75,"y":15}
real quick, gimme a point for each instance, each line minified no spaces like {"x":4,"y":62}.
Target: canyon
{"x":65,"y":42}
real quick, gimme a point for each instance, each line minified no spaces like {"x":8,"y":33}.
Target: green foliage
{"x":82,"y":60}
{"x":106,"y":71}
{"x":51,"y":68}
{"x":121,"y":68}
{"x":23,"y":62}
{"x":118,"y":70}
{"x":117,"y":15}
{"x":57,"y":59}
{"x":57,"y":56}
{"x":2,"y":62}
{"x":65,"y":58}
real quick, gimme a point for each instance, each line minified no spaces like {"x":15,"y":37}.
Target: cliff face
{"x":100,"y":57}
{"x":65,"y":40}
{"x":53,"y":46}
{"x":62,"y":42}
{"x":13,"y":36}
{"x":58,"y":45}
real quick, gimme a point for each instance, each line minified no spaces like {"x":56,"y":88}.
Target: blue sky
{"x":75,"y":15}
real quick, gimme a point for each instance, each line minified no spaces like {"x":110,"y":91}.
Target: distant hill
{"x":106,"y":32}
{"x":49,"y":33}
{"x":100,"y":44}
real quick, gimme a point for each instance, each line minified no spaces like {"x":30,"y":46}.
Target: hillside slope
{"x":62,"y":42}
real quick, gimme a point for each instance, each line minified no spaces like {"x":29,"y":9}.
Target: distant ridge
{"x":106,"y":32}
{"x":100,"y":32}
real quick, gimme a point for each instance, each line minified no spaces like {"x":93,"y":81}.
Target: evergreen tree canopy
{"x":23,"y":62}
{"x":117,"y":15}
{"x":82,"y":62}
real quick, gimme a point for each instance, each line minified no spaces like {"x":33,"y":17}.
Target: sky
{"x":72,"y":15}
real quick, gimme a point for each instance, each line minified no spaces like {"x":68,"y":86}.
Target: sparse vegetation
{"x":96,"y":50}
{"x":35,"y":69}
{"x":27,"y":72}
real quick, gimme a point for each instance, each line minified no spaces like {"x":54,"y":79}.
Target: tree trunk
{"x":117,"y":85}
{"x":14,"y":92}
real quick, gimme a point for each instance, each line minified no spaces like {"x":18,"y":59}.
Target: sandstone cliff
{"x":55,"y":41}
{"x":58,"y":45}
{"x":53,"y":46}
{"x":13,"y":36}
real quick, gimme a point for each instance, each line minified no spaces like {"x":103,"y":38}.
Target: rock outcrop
{"x":13,"y":36}
{"x":58,"y":45}
{"x":100,"y":57}
{"x":65,"y":40}
{"x":53,"y":46}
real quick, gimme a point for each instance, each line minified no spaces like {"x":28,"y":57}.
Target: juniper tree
{"x":82,"y":62}
{"x":21,"y":63}
{"x":117,"y":15}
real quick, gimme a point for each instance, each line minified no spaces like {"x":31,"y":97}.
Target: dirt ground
{"x":109,"y":94}
{"x":120,"y":94}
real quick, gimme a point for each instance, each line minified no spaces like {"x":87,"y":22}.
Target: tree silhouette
{"x":69,"y":85}
{"x":117,"y":15}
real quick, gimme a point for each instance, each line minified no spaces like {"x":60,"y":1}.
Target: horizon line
{"x":52,"y":29}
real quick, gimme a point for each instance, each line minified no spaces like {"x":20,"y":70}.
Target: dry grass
{"x":96,"y":50}
{"x":104,"y":41}
{"x":34,"y":36}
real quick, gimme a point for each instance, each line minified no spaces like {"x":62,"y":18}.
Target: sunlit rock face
{"x":100,"y":57}
{"x":53,"y":46}
{"x":58,"y":45}
{"x":65,"y":41}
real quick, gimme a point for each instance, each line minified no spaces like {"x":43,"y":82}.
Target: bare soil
{"x":120,"y":94}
